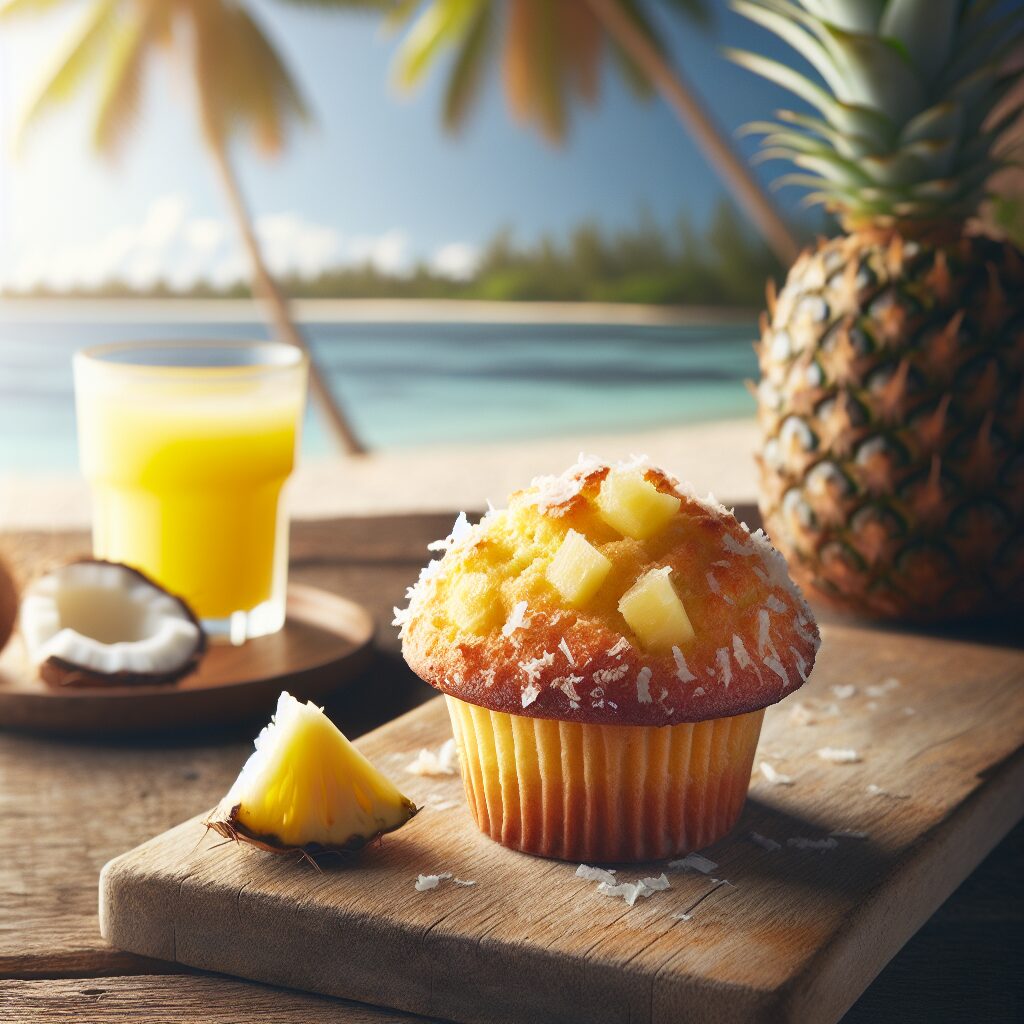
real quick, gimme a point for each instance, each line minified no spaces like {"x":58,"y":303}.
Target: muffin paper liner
{"x":603,"y":793}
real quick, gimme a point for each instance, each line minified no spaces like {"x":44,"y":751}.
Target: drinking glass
{"x":187,"y":446}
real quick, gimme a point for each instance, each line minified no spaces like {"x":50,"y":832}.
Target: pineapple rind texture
{"x":891,"y":406}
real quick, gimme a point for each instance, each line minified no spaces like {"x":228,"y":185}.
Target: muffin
{"x":606,"y":646}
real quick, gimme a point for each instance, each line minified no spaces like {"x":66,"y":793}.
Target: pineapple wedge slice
{"x":652,"y":609}
{"x":632,"y":505}
{"x":577,"y":570}
{"x":306,"y":788}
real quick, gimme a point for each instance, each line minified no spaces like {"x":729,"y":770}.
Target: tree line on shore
{"x":724,"y":264}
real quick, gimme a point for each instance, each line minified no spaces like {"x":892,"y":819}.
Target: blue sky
{"x":376,"y":178}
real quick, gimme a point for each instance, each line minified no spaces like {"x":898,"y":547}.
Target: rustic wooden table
{"x":66,"y":807}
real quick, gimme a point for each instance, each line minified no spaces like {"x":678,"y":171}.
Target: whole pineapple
{"x":891,"y":399}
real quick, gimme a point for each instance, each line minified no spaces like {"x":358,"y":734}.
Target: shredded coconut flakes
{"x":874,"y":790}
{"x":764,"y":842}
{"x":533,"y":668}
{"x":425,"y":882}
{"x":777,"y":667}
{"x":801,"y":843}
{"x":567,"y":684}
{"x":844,"y":691}
{"x":682,"y":669}
{"x":530,"y":693}
{"x":517,"y":619}
{"x":764,"y":625}
{"x":882,"y":688}
{"x":724,"y":665}
{"x":590,"y":874}
{"x":715,"y":588}
{"x":739,"y":652}
{"x":444,"y":762}
{"x":631,"y":891}
{"x":838,"y":755}
{"x":460,"y":531}
{"x":621,"y":645}
{"x":774,"y":777}
{"x":801,"y":714}
{"x":643,"y":686}
{"x":564,"y":648}
{"x":604,"y":676}
{"x":732,"y":545}
{"x":695,"y":862}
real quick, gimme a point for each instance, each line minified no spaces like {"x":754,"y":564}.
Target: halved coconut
{"x":93,"y":623}
{"x":306,"y":789}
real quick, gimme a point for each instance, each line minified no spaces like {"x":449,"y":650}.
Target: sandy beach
{"x":715,"y":457}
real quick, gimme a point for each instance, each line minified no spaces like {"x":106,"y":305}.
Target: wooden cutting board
{"x":938,"y":723}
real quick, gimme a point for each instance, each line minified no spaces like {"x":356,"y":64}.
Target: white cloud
{"x":205,"y":233}
{"x":457,"y":260}
{"x":292,"y":245}
{"x":170,"y":245}
{"x":390,"y":252}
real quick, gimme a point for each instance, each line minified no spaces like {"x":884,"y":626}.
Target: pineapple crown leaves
{"x":910,"y":107}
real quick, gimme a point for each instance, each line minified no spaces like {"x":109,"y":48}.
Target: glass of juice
{"x":187,"y":446}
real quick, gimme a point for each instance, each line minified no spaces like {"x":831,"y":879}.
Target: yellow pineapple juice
{"x":187,"y":447}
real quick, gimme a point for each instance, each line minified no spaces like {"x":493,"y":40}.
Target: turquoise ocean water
{"x":409,"y":384}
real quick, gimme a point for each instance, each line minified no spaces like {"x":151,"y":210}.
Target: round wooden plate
{"x":325,"y":643}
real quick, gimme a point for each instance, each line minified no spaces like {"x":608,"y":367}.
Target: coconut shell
{"x":63,"y":674}
{"x":8,"y":604}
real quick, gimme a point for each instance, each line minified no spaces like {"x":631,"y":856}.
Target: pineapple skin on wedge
{"x":306,"y":788}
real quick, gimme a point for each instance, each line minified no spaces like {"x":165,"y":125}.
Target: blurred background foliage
{"x":725,"y":264}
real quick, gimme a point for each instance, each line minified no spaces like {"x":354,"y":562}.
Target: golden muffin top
{"x":609,"y":594}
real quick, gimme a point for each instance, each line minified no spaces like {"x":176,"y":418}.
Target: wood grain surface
{"x":936,"y":726}
{"x":69,"y":806}
{"x":194,"y":998}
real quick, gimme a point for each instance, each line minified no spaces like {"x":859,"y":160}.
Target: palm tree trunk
{"x":267,"y":290}
{"x":698,"y":122}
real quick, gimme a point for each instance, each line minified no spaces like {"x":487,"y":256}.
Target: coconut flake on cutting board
{"x":428,"y":763}
{"x":839,"y":755}
{"x":427,"y":882}
{"x":764,"y":842}
{"x":695,"y":862}
{"x":590,"y":874}
{"x":776,"y":778}
{"x":802,"y":843}
{"x":631,"y":891}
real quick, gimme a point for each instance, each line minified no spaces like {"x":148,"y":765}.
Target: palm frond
{"x":243,"y":83}
{"x":79,"y":59}
{"x":131,"y":44}
{"x":22,"y":8}
{"x":444,"y":25}
{"x":464,"y":81}
{"x":582,"y":44}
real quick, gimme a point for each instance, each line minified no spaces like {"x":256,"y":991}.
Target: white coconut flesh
{"x":107,"y":619}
